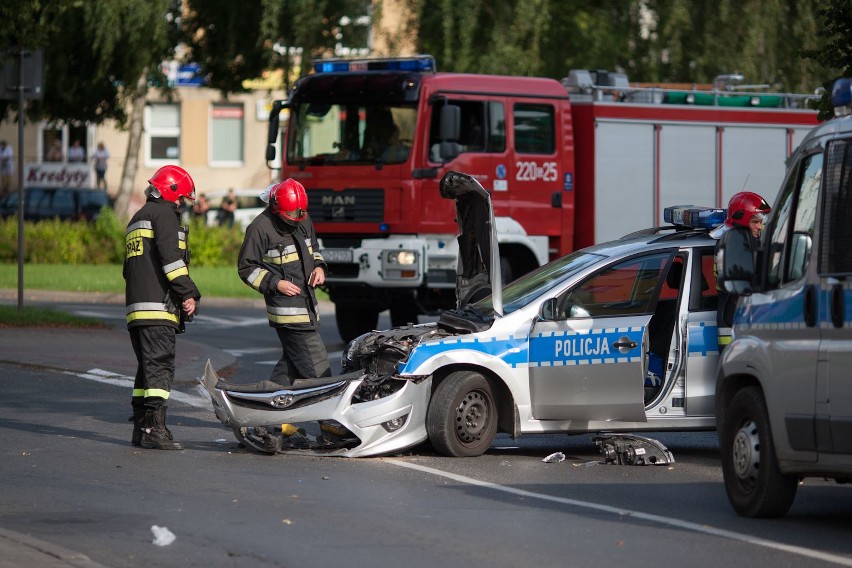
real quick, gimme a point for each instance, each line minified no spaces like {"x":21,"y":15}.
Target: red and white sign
{"x":57,"y":175}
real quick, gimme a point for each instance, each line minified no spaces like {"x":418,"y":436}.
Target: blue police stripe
{"x":703,"y":340}
{"x":549,"y":349}
{"x":585,"y":348}
{"x":511,"y":350}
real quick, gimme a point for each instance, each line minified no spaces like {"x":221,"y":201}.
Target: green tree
{"x":99,"y":60}
{"x":268,"y":34}
{"x":836,"y":50}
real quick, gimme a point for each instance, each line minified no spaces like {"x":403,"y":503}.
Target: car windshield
{"x":527,"y":288}
{"x":347,"y":133}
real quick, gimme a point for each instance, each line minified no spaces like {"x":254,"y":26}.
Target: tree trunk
{"x":134,"y":143}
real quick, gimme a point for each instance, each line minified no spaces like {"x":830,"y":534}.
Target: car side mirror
{"x":735,"y":262}
{"x":548,"y":310}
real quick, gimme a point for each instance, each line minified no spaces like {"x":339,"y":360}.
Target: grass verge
{"x":217,"y":282}
{"x":11,"y":316}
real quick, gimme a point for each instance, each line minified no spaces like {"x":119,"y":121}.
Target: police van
{"x":617,"y":337}
{"x":784,"y":389}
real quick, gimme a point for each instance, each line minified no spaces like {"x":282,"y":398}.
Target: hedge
{"x":102,"y":242}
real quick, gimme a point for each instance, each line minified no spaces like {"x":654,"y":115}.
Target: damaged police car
{"x":617,"y":337}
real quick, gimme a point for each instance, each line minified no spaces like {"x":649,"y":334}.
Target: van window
{"x":792,"y":225}
{"x":836,"y":234}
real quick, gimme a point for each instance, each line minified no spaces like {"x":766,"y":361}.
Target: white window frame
{"x":227,"y":163}
{"x":152,"y":131}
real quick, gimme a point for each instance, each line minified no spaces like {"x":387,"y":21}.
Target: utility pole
{"x":26,"y":84}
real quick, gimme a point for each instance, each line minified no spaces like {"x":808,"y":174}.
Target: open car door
{"x":587,"y":361}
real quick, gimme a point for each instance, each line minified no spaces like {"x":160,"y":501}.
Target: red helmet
{"x":288,"y":197}
{"x":173,"y":182}
{"x":744,"y":206}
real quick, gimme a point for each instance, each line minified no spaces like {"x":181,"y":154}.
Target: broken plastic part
{"x":629,"y":449}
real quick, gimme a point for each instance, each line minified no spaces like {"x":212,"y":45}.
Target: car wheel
{"x":753,"y":482}
{"x":352,"y":322}
{"x":462,"y":417}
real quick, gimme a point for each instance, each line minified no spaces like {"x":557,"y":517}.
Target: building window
{"x":162,"y":134}
{"x":226,"y":134}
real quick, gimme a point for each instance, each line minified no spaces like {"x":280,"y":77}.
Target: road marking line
{"x":677,"y":523}
{"x":110,"y":378}
{"x":251,"y":351}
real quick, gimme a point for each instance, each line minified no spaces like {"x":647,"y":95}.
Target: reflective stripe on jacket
{"x":156,"y":266}
{"x":269,"y":254}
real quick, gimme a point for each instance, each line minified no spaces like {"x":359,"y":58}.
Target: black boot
{"x":168,"y":432}
{"x":154,"y":433}
{"x":138,"y":420}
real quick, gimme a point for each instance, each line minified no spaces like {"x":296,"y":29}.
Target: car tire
{"x":352,"y":322}
{"x":754,"y":484}
{"x":462,"y":416}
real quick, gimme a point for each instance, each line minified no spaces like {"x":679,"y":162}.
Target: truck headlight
{"x":401,"y":264}
{"x":402,"y":257}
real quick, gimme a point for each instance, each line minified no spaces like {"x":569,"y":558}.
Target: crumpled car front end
{"x":369,"y":410}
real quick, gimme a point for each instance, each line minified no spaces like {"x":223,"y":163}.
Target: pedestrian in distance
{"x":76,"y":153}
{"x":280,"y":259}
{"x":746,"y":212}
{"x":101,"y":159}
{"x":227,"y":209}
{"x":7,"y":167}
{"x":55,"y":154}
{"x":200,"y":208}
{"x":160,"y":298}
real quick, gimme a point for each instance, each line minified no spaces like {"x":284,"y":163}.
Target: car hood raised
{"x":478,"y":272}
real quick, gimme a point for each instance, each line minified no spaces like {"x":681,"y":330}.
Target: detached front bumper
{"x":386,"y":425}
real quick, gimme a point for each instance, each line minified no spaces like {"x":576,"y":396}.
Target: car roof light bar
{"x":694,"y":216}
{"x":841,"y":97}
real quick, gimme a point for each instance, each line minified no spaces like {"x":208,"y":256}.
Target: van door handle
{"x":838,"y":305}
{"x":809,"y":306}
{"x":625,"y":343}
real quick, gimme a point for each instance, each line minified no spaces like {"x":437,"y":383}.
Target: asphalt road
{"x":70,"y":477}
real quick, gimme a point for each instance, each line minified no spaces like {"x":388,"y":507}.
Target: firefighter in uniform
{"x":280,"y":259}
{"x":160,"y":297}
{"x":746,"y":212}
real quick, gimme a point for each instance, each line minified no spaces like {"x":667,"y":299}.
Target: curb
{"x":24,"y":550}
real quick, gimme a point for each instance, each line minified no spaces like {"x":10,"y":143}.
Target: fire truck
{"x":568,"y":164}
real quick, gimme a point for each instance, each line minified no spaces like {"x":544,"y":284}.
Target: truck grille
{"x":347,"y":206}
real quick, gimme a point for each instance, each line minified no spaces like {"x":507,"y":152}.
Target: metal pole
{"x":20,"y":178}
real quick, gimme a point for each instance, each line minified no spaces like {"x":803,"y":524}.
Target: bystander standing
{"x":227,"y":209}
{"x":101,"y":159}
{"x":76,"y":153}
{"x":7,"y":167}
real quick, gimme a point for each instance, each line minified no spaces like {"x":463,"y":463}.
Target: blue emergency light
{"x":841,"y":97}
{"x":417,"y":64}
{"x":694,"y":216}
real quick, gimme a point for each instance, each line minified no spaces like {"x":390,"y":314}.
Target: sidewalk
{"x":18,"y":550}
{"x":81,"y":350}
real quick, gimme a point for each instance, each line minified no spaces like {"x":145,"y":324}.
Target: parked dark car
{"x":65,"y":203}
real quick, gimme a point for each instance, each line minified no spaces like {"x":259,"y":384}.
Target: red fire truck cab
{"x":567,"y":164}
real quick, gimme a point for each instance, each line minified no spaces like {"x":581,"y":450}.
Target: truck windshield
{"x":347,"y":133}
{"x":531,"y":286}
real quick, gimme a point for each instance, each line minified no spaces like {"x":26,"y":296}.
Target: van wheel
{"x":462,"y":417}
{"x":753,"y":482}
{"x":352,"y":322}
